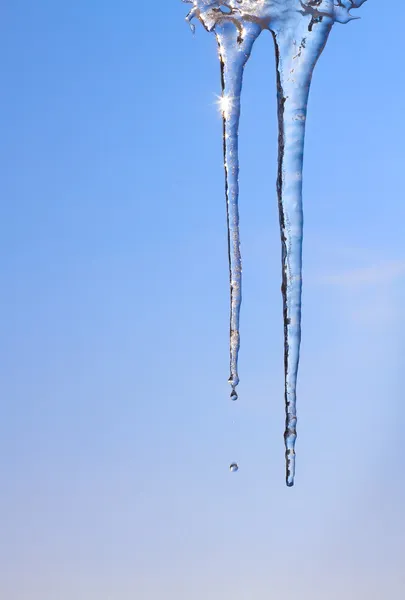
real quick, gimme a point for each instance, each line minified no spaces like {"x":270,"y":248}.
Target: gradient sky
{"x":116,"y":430}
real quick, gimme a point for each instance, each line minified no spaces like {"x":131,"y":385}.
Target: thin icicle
{"x":234,"y":45}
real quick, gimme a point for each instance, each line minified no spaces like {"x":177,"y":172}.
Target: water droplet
{"x":234,"y":395}
{"x":233,"y":468}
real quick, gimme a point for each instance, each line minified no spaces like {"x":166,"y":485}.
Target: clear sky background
{"x":116,"y":430}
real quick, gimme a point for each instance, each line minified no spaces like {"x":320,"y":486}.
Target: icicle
{"x":234,"y":45}
{"x":296,"y":55}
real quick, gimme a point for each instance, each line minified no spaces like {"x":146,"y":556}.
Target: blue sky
{"x":116,"y":430}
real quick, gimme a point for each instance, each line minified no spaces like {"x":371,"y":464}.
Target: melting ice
{"x":300,"y":30}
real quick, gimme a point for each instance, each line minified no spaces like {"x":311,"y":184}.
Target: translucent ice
{"x":300,"y":31}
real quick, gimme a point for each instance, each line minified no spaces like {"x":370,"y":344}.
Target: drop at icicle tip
{"x":234,"y":395}
{"x":300,"y":30}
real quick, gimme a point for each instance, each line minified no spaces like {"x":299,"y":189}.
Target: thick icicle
{"x":296,"y":55}
{"x":234,"y":45}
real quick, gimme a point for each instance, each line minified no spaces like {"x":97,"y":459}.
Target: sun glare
{"x":225,"y":104}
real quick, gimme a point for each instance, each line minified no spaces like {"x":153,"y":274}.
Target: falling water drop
{"x":300,"y":30}
{"x":233,"y":467}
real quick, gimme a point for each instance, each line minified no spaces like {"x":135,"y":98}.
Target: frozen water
{"x":300,"y":31}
